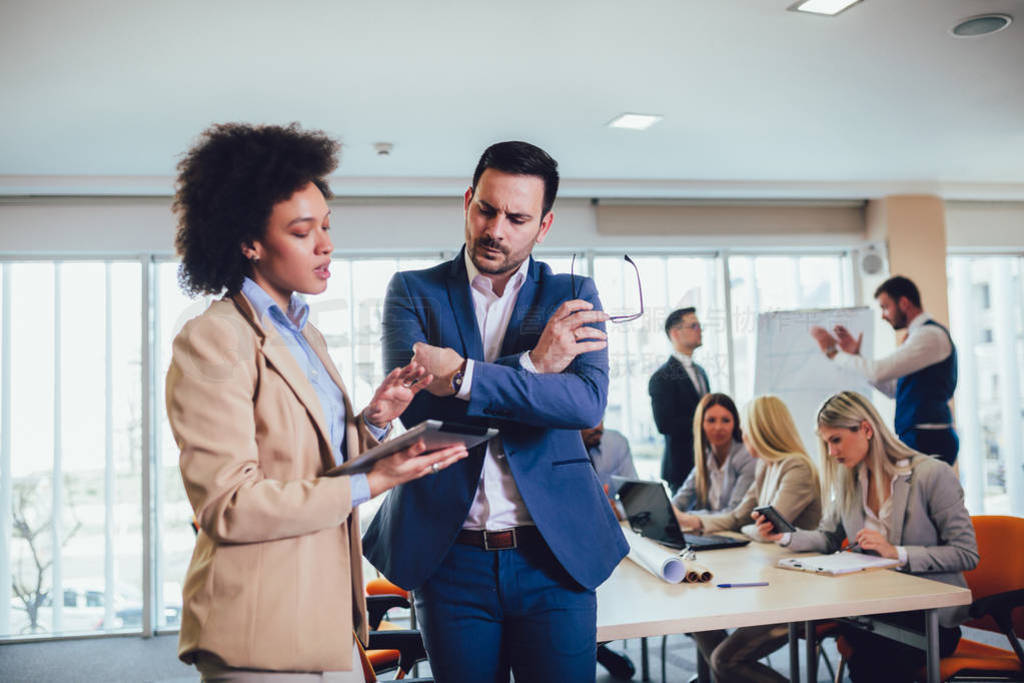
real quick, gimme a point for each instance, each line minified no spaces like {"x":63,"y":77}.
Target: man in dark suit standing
{"x":675,"y":389}
{"x":504,"y":549}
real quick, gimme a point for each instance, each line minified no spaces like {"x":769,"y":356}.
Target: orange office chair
{"x":390,"y":647}
{"x":997,"y":586}
{"x":370,"y":673}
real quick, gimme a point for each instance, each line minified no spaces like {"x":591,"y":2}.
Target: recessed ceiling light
{"x":829,"y":7}
{"x":634,"y":121}
{"x":981,"y":25}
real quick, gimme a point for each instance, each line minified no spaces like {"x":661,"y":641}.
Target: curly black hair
{"x":227,"y":185}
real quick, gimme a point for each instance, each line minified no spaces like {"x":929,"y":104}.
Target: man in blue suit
{"x":504,"y":549}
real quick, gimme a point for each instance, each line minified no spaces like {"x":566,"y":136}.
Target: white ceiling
{"x":103,"y":96}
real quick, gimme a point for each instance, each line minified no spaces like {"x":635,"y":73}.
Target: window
{"x":757,"y":283}
{"x":173,"y":524}
{"x":72,"y":343}
{"x":79,"y":378}
{"x":986,"y":296}
{"x":775,"y":283}
{"x":638,"y":348}
{"x":349,"y":316}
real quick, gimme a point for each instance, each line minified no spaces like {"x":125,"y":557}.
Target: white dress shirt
{"x":695,"y":377}
{"x":716,"y":479}
{"x":925,"y":345}
{"x":497,"y":504}
{"x":880,"y":522}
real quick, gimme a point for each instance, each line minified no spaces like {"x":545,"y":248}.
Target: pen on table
{"x":743,"y":585}
{"x":851,"y":548}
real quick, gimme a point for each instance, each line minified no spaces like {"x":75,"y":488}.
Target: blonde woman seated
{"x":787,"y":479}
{"x":894,"y":502}
{"x":723,"y":468}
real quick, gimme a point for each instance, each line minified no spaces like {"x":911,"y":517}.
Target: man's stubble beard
{"x":506,"y":266}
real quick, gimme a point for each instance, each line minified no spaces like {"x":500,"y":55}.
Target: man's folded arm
{"x":575,"y":398}
{"x":566,"y":400}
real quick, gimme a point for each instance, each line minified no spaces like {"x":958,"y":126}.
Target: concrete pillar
{"x":913,"y":228}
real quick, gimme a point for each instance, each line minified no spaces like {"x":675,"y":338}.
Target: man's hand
{"x":826,"y":342}
{"x":846,"y":340}
{"x":562,"y":338}
{"x":394,"y":394}
{"x":409,"y":464}
{"x":441,"y":363}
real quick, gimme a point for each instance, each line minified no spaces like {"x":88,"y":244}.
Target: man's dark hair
{"x":227,"y":185}
{"x":521,"y":158}
{"x":898,"y":286}
{"x":676,"y":317}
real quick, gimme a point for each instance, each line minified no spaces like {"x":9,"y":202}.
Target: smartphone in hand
{"x":777,"y":520}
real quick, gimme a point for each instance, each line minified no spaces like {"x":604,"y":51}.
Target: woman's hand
{"x":687,"y":522}
{"x":869,"y":539}
{"x":395,"y":393}
{"x":409,"y":464}
{"x":765,"y":527}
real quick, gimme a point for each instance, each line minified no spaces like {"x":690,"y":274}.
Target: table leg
{"x":703,"y":670}
{"x":645,"y":672}
{"x":794,"y":654}
{"x":931,"y":628}
{"x":810,"y":635}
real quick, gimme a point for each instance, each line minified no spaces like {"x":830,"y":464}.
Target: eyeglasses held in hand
{"x":639,"y":288}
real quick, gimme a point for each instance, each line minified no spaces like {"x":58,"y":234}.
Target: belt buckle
{"x":515,"y":539}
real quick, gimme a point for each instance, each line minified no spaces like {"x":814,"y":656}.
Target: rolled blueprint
{"x":697,"y":573}
{"x":664,"y":564}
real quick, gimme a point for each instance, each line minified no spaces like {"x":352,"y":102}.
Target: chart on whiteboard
{"x":790,"y":365}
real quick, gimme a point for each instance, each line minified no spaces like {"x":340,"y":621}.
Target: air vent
{"x":981,"y":25}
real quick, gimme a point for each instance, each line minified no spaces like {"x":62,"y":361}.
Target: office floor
{"x":681,"y":660}
{"x":103,"y":660}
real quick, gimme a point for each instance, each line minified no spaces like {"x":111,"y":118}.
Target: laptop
{"x":649,"y":513}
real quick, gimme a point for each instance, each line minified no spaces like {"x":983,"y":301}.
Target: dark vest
{"x":923,"y":397}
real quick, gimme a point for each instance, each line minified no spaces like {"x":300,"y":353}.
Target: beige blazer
{"x":790,"y":485}
{"x":275,"y":580}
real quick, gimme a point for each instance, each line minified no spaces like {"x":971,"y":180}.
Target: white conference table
{"x":634,"y":603}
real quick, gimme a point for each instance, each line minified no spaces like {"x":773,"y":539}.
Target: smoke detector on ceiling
{"x":383,"y":149}
{"x":981,"y":25}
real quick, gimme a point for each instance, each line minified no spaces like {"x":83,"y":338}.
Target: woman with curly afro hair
{"x":274,"y":590}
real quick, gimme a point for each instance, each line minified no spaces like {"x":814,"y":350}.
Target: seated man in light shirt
{"x":609,"y":453}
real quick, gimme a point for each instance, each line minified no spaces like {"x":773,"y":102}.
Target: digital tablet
{"x":777,"y":520}
{"x":435,"y":434}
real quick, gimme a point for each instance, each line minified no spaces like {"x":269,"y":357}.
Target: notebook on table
{"x":649,"y":513}
{"x":837,"y":564}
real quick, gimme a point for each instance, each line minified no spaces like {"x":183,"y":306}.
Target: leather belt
{"x":506,"y":539}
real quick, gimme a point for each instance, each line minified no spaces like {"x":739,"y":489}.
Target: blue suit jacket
{"x":539,"y":417}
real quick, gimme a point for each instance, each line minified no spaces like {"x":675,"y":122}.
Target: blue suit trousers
{"x":486,"y":612}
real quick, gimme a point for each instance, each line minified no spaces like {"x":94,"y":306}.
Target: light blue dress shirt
{"x":289,"y":326}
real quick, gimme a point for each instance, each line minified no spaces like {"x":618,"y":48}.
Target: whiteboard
{"x":790,"y":364}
